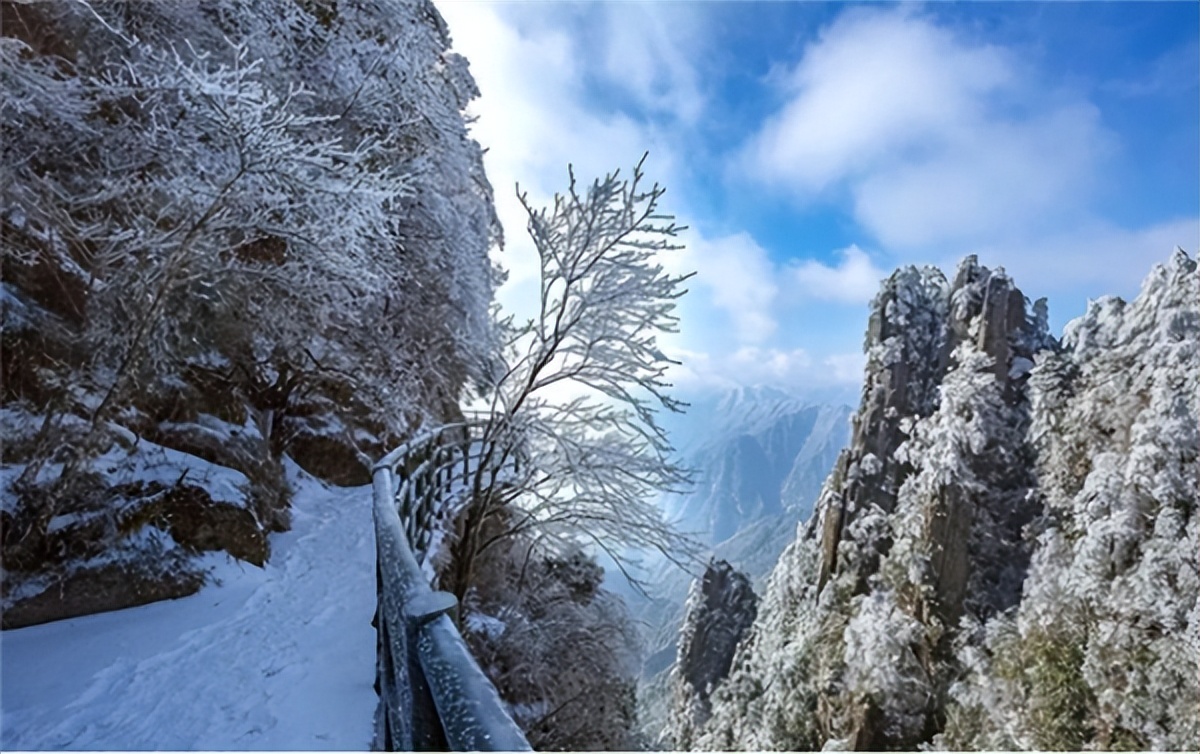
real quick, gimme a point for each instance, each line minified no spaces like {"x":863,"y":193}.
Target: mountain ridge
{"x":1011,"y":513}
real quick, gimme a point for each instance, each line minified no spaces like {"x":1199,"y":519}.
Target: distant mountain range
{"x":761,"y":455}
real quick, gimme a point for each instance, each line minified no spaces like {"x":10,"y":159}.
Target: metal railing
{"x":432,"y":694}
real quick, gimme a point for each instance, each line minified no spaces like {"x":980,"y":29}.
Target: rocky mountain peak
{"x":1011,"y":515}
{"x":917,"y":321}
{"x":721,"y":606}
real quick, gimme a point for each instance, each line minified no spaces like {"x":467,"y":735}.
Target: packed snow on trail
{"x":276,"y":658}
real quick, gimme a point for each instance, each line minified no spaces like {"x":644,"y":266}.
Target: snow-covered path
{"x":274,"y":658}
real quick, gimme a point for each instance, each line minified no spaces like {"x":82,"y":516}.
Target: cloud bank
{"x":923,"y":140}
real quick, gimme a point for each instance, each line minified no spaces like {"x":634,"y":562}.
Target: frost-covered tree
{"x":270,"y":214}
{"x":285,"y":168}
{"x":286,"y":175}
{"x":561,"y":650}
{"x":587,"y":463}
{"x":1102,"y":651}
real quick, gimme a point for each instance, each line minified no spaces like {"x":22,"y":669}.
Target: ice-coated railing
{"x":432,"y":694}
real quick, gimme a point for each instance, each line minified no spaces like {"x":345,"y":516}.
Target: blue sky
{"x":812,"y":148}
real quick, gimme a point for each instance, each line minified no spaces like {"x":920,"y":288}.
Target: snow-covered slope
{"x":276,"y":658}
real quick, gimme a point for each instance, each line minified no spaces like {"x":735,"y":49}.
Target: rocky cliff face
{"x":720,"y":608}
{"x":917,"y":322}
{"x":927,"y":602}
{"x":205,"y":271}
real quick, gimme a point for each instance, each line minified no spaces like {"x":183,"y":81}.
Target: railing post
{"x":428,"y":734}
{"x":465,"y":469}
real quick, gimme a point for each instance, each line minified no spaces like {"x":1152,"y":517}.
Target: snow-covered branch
{"x":596,"y":454}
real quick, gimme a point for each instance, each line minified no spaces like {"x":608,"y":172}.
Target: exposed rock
{"x":762,"y":454}
{"x":720,"y":608}
{"x":95,"y":555}
{"x":330,"y":458}
{"x":896,"y":545}
{"x":917,"y":321}
{"x":906,"y":334}
{"x":197,"y":522}
{"x":100,"y":589}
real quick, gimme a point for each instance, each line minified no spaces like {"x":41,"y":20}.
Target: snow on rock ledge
{"x":131,"y":539}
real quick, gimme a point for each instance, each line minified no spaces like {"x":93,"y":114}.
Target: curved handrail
{"x":432,"y":693}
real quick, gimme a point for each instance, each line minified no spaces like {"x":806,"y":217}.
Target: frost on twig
{"x":592,"y":459}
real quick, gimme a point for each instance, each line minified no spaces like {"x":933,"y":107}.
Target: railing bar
{"x":419,"y":439}
{"x":444,"y":692}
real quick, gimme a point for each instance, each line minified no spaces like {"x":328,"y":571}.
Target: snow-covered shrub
{"x":559,"y":648}
{"x":882,"y":666}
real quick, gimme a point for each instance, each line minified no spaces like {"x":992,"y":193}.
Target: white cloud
{"x":737,"y":279}
{"x":788,"y":368}
{"x":940,"y":146}
{"x":1005,"y":179}
{"x":872,"y":85}
{"x":646,"y":49}
{"x":854,"y":281}
{"x":929,"y":133}
{"x":846,"y":368}
{"x":1094,"y":259}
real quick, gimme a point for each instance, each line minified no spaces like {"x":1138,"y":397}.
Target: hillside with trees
{"x":229,"y":234}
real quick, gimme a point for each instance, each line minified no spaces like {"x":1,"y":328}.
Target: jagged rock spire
{"x":721,"y":606}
